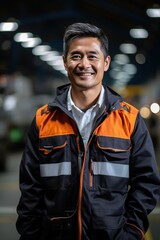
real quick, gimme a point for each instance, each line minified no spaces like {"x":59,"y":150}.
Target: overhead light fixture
{"x":58,"y":62}
{"x":153,"y":12}
{"x":41,"y":49}
{"x":50,"y":57}
{"x":55,"y":61}
{"x":59,"y":67}
{"x":121,"y":59}
{"x":8,"y":26}
{"x":122,"y":76}
{"x":22,"y":37}
{"x":10,"y":102}
{"x":128,"y":48}
{"x":138,"y":33}
{"x":130,"y":68}
{"x":145,"y":112}
{"x":31,"y":42}
{"x":140,"y":58}
{"x":113,"y":73}
{"x":155,"y":108}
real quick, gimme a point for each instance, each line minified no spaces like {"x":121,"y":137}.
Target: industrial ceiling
{"x":48,"y":20}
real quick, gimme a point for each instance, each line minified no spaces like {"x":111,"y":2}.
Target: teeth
{"x":86,"y":74}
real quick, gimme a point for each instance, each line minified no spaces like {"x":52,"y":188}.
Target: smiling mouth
{"x":84,"y":73}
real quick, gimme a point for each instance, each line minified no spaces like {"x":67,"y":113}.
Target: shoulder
{"x":42,"y":110}
{"x":43,"y":114}
{"x":129,"y":108}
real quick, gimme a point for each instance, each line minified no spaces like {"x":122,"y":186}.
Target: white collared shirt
{"x":85,"y":120}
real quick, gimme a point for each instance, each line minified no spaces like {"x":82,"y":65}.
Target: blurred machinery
{"x":3,"y":125}
{"x":18,"y":105}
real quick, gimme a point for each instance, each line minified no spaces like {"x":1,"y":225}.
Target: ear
{"x":107,"y":63}
{"x":64,"y":62}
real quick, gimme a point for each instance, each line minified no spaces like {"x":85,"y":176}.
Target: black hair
{"x":77,"y":30}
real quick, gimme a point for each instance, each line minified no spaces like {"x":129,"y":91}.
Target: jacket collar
{"x":112,"y":99}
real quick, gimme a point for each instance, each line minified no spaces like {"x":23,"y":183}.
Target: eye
{"x":76,"y":56}
{"x":92,"y":57}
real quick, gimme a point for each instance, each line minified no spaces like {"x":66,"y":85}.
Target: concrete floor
{"x":9,"y":197}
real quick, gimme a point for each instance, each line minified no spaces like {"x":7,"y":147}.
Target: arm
{"x":144,"y":181}
{"x":30,"y":206}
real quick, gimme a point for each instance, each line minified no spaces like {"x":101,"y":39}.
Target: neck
{"x":85,"y":99}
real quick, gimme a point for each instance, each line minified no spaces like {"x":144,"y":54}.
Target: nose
{"x":84,"y":62}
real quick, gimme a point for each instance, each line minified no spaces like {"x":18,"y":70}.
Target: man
{"x":88,"y":170}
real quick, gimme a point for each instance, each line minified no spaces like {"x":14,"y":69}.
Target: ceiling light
{"x":115,"y":65}
{"x":41,"y":49}
{"x":113,"y":73}
{"x":55,"y":61}
{"x":22,"y":37}
{"x":50,"y":57}
{"x":130,"y":68}
{"x":121,"y":59}
{"x":122,"y":76}
{"x":139,"y":33}
{"x":140,"y":58}
{"x":63,"y":72}
{"x":128,"y":48}
{"x":155,"y":108}
{"x":8,"y":26}
{"x":10,"y":102}
{"x":31,"y":42}
{"x":145,"y":112}
{"x":153,"y":12}
{"x":59,"y":67}
{"x":58,"y":62}
{"x":50,"y":54}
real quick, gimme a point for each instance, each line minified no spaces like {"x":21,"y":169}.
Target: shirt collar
{"x":71,"y":104}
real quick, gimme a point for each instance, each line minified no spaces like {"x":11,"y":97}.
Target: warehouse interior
{"x":31,"y":68}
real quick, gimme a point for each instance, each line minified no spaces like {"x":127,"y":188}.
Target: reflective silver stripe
{"x":111,"y":169}
{"x":55,"y":169}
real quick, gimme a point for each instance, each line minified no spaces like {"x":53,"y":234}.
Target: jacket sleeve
{"x":31,"y":205}
{"x":144,"y":181}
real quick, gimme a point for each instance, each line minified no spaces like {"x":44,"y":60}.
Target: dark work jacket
{"x":102,"y":192}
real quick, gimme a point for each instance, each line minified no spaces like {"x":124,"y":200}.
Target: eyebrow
{"x":75,"y":52}
{"x":89,"y":52}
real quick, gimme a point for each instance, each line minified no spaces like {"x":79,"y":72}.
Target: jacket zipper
{"x":91,"y":174}
{"x":80,"y":155}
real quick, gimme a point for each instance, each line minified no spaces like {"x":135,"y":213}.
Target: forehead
{"x":85,"y":44}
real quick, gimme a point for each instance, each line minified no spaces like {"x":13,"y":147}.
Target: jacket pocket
{"x":59,"y":229}
{"x":105,"y":221}
{"x":114,"y":149}
{"x":107,"y":226}
{"x":58,"y":162}
{"x":109,"y":164}
{"x":50,"y":144}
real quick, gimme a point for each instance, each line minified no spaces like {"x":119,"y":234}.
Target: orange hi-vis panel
{"x":58,"y":123}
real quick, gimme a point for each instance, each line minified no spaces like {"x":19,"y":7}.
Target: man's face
{"x":85,"y":63}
